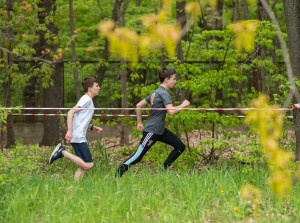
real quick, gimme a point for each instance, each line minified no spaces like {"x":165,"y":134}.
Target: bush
{"x":17,"y":164}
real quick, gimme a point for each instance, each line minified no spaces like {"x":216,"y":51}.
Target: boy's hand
{"x":97,"y":129}
{"x":185,"y":103}
{"x":140,"y":127}
{"x":68,"y":136}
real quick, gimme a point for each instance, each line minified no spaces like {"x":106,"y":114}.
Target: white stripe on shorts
{"x":148,"y":136}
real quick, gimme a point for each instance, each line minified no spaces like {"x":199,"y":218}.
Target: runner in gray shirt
{"x":155,"y":129}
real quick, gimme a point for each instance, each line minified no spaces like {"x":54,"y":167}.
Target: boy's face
{"x":171,"y":81}
{"x":95,"y":89}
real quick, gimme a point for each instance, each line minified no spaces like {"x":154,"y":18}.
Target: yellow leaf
{"x":89,"y":49}
{"x":106,"y":27}
{"x":193,"y":8}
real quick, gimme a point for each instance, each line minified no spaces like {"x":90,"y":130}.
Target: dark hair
{"x":88,"y":82}
{"x":165,"y":73}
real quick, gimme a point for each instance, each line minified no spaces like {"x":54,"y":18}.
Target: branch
{"x":227,"y":49}
{"x":30,"y":58}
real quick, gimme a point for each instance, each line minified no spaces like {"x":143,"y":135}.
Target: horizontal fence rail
{"x":184,"y":109}
{"x":118,"y":115}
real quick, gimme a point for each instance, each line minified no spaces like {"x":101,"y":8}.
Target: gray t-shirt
{"x":82,"y":119}
{"x":157,"y":99}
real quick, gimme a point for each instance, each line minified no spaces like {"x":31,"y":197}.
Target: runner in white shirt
{"x":78,"y":123}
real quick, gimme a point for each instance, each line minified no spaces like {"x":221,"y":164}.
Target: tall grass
{"x":142,"y":195}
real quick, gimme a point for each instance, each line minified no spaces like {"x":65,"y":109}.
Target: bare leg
{"x":77,"y":160}
{"x":79,"y":173}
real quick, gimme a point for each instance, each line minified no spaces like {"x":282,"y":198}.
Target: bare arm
{"x":141,"y":104}
{"x":70,"y":117}
{"x":184,"y":104}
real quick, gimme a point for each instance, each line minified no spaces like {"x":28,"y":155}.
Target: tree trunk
{"x":138,"y":3}
{"x":292,"y":16}
{"x":219,"y":20}
{"x":52,"y":96}
{"x":163,"y":56}
{"x":124,"y":127}
{"x":275,"y":62}
{"x":263,"y":71}
{"x":7,"y":80}
{"x":115,"y":17}
{"x":262,"y":15}
{"x":245,"y":14}
{"x":1,"y":123}
{"x":236,"y":11}
{"x":219,"y":26}
{"x":255,"y":79}
{"x":181,"y":95}
{"x":240,"y":86}
{"x":29,"y":97}
{"x":74,"y":58}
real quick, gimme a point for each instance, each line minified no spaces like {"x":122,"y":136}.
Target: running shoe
{"x":57,"y":153}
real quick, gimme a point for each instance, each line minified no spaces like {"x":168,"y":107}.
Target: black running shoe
{"x":121,"y":170}
{"x":57,"y":153}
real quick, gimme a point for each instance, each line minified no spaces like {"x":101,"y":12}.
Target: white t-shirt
{"x":82,"y":119}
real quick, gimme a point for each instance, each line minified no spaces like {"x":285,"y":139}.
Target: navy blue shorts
{"x":82,"y":150}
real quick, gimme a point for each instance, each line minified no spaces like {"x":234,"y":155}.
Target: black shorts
{"x":82,"y":150}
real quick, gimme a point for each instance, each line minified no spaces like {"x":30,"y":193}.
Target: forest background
{"x":46,"y":53}
{"x":227,"y":54}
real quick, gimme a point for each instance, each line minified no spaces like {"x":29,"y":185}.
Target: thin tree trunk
{"x":262,"y":15}
{"x":7,"y":80}
{"x":74,"y":58}
{"x":219,"y":26}
{"x":274,"y":58}
{"x":263,"y":72}
{"x":239,"y":87}
{"x":163,"y":57}
{"x":1,"y":123}
{"x":181,"y":21}
{"x":124,"y":130}
{"x":245,"y":14}
{"x":292,"y":16}
{"x":236,"y":11}
{"x":138,"y":3}
{"x":106,"y":54}
{"x":1,"y":137}
{"x":255,"y":79}
{"x":275,"y":62}
{"x":181,"y":95}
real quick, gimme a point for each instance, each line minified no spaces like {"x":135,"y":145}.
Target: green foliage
{"x":100,"y":147}
{"x":20,"y":163}
{"x":3,"y":115}
{"x":204,"y":81}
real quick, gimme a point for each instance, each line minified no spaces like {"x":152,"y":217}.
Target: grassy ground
{"x":211,"y":195}
{"x":204,"y":193}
